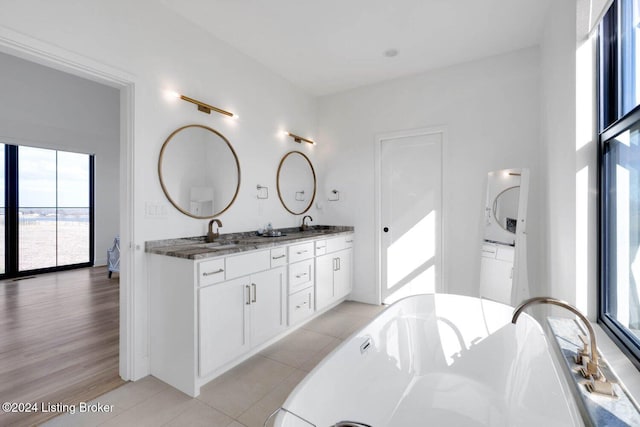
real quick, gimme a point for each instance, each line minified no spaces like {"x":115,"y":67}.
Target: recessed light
{"x":390,"y":53}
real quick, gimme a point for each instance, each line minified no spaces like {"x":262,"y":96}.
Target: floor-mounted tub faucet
{"x":304,"y":226}
{"x":211,"y":236}
{"x":592,"y":369}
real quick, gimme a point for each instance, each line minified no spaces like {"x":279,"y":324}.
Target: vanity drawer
{"x":301,"y":251}
{"x":211,"y":271}
{"x":339,"y":243}
{"x":488,"y":251}
{"x":300,"y":306}
{"x":321,"y":247}
{"x":278,"y":256}
{"x":348,"y":241}
{"x":300,"y":275}
{"x":248,"y":263}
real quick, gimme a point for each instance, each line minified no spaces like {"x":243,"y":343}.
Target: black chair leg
{"x":110,"y":273}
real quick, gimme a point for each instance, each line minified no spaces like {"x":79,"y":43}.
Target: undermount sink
{"x":219,"y":245}
{"x":312,"y":230}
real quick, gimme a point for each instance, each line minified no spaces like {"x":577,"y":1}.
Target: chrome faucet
{"x":211,"y":236}
{"x":304,"y":226}
{"x":592,"y":368}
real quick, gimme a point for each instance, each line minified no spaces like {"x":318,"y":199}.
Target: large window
{"x":47,"y":210}
{"x":619,"y":130}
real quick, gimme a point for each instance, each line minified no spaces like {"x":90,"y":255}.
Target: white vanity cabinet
{"x":239,"y":314}
{"x":333,"y":270}
{"x":206,"y":315}
{"x":496,"y":271}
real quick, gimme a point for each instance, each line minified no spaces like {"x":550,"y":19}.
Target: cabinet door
{"x":324,"y":280}
{"x":496,"y":278}
{"x":342,"y":275}
{"x":223,"y":326}
{"x":268,"y":292}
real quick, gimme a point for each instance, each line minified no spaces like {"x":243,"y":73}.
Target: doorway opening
{"x":107,"y":301}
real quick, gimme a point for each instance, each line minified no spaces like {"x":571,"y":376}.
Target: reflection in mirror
{"x":505,"y":208}
{"x":503,"y":268}
{"x":296,"y":182}
{"x":501,"y":206}
{"x":199,"y":171}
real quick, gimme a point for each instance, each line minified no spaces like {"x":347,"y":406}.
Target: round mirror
{"x":505,"y":208}
{"x":296,"y":182}
{"x":199,"y":171}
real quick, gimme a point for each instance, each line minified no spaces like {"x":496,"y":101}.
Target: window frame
{"x":11,"y":238}
{"x":609,"y":108}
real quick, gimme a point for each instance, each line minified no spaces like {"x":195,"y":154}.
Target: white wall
{"x":46,"y":108}
{"x":570,"y":155}
{"x":558,"y":137}
{"x":491,"y":111}
{"x":159,"y":50}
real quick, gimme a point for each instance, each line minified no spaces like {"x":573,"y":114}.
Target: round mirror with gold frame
{"x":199,"y":171}
{"x":296,"y":182}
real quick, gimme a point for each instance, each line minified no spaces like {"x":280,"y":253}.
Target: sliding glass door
{"x":3,"y":216}
{"x":36,"y":208}
{"x":48,"y":222}
{"x":73,"y":208}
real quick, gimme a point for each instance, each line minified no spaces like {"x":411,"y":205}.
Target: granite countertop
{"x":197,"y":248}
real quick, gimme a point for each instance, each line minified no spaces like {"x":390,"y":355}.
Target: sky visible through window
{"x":39,"y":185}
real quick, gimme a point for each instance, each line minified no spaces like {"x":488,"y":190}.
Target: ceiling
{"x":328,"y":46}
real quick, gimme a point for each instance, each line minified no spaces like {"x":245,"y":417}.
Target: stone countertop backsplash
{"x":196,"y":248}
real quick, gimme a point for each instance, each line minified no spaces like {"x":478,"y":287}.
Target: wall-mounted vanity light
{"x":298,"y":138}
{"x":204,"y":107}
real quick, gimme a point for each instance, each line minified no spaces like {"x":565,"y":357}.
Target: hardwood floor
{"x":58,"y":340}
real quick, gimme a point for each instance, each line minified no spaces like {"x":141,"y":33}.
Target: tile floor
{"x":245,"y":395}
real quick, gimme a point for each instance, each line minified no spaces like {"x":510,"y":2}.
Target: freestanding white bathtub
{"x":437,"y":360}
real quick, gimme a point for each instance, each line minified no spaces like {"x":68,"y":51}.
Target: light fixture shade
{"x":206,"y":108}
{"x":299,"y":139}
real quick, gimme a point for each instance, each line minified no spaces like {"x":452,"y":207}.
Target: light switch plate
{"x":155,"y":210}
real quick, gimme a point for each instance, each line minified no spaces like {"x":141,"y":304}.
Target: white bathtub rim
{"x":560,"y":377}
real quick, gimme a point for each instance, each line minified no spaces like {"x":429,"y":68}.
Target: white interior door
{"x":410,"y":214}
